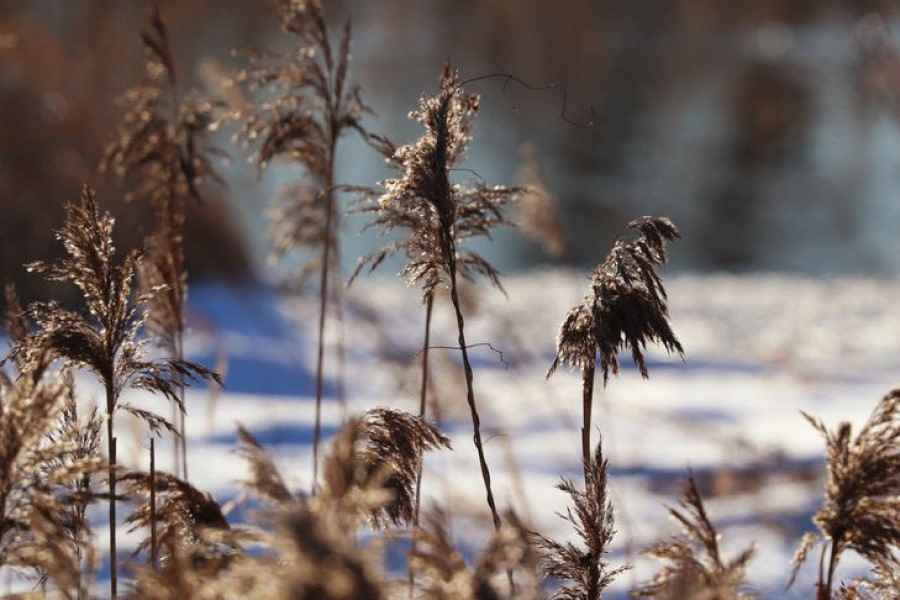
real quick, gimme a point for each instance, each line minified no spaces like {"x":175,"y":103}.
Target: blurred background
{"x":766,"y":129}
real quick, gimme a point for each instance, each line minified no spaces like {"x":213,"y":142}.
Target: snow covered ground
{"x":758,"y":350}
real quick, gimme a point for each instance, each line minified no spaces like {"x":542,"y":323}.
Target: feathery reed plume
{"x":182,"y":513}
{"x":104,"y":338}
{"x":162,"y":147}
{"x":861,"y":494}
{"x":85,"y":436}
{"x":379,"y":455}
{"x":444,"y":575}
{"x":627,"y":308}
{"x":440,"y":216}
{"x":883,"y":584}
{"x":266,"y":481}
{"x":696,"y":568}
{"x":307,"y":105}
{"x":584,"y":569}
{"x":538,"y":216}
{"x":43,"y":458}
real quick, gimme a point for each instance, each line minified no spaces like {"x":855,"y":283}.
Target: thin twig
{"x":488,"y":344}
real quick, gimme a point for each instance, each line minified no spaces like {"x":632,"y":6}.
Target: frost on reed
{"x":305,"y":105}
{"x":626,"y":309}
{"x":162,"y":149}
{"x":104,"y":337}
{"x":861,"y":510}
{"x":694,"y":566}
{"x":583,"y":568}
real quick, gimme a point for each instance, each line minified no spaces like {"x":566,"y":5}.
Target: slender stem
{"x":820,"y":582}
{"x":587,"y":401}
{"x":182,"y":427}
{"x":176,"y":443}
{"x":338,"y":303}
{"x":423,"y":396}
{"x":470,"y":389}
{"x":832,"y":565}
{"x":154,"y":547}
{"x":111,"y":441}
{"x":323,"y":302}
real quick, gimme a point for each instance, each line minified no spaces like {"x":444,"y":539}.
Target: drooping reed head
{"x":627,"y":307}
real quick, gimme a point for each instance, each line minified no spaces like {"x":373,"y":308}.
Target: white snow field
{"x":758,"y":349}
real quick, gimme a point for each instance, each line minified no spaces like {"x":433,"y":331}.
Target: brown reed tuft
{"x":182,"y":512}
{"x":586,"y":573}
{"x":862,"y":494}
{"x":695,"y":567}
{"x":379,"y":454}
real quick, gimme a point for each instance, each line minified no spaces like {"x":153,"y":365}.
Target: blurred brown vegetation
{"x":63,"y":67}
{"x":627,"y":66}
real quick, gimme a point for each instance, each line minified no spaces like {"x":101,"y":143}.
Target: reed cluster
{"x":328,"y":541}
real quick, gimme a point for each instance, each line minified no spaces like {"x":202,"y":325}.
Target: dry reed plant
{"x":695,"y":567}
{"x":440,"y":215}
{"x":862,"y":495}
{"x":583,"y":568}
{"x":162,"y":148}
{"x":305,"y":105}
{"x":627,"y":308}
{"x":104,"y":337}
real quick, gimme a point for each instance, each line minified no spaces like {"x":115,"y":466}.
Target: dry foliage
{"x":162,"y":147}
{"x":695,"y":567}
